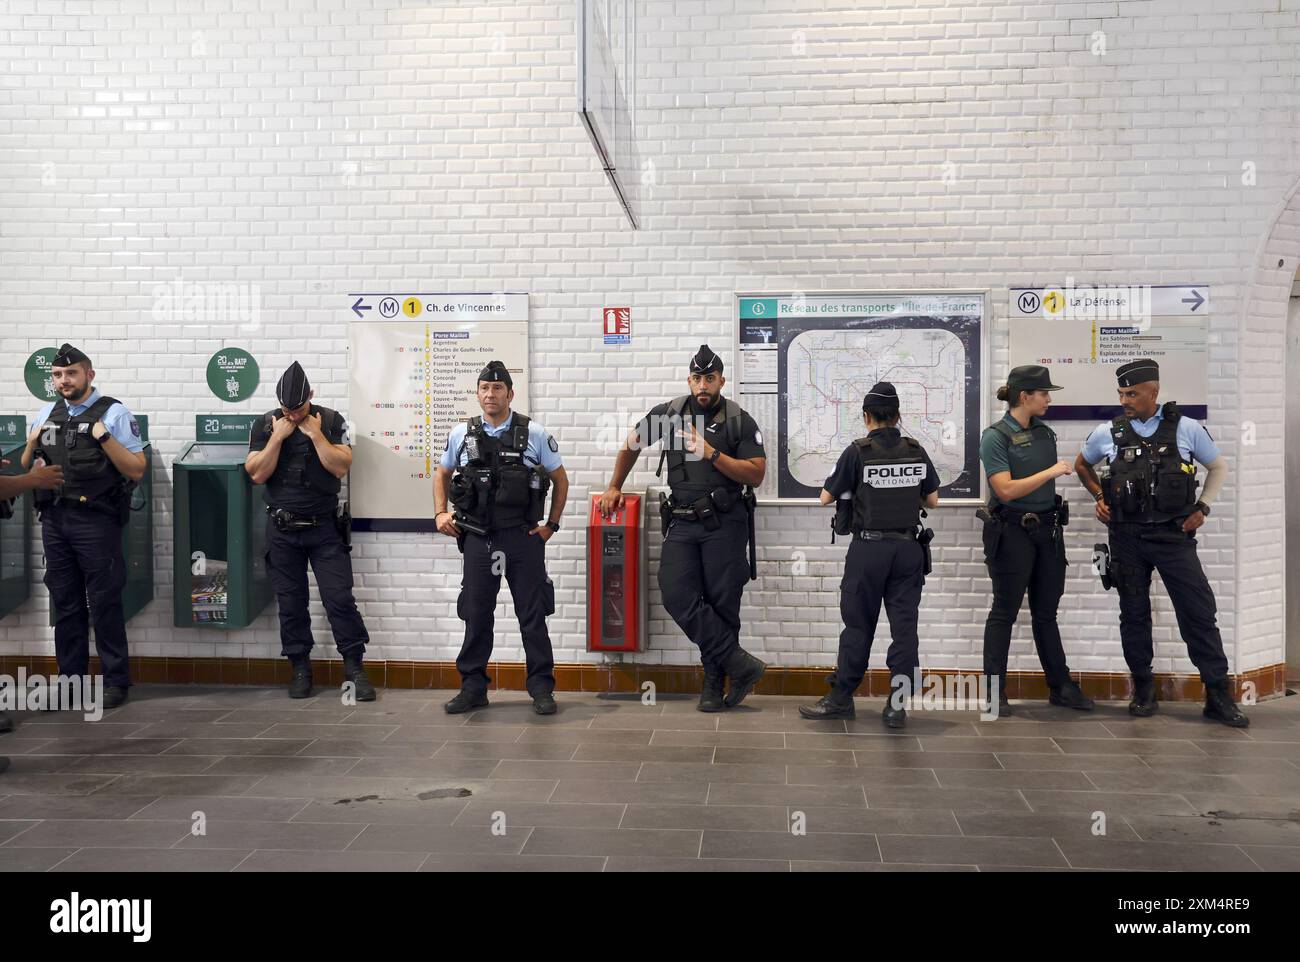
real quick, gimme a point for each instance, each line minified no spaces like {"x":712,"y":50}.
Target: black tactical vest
{"x":1149,"y":482}
{"x":300,"y":466}
{"x":496,"y":488}
{"x":888,"y":495}
{"x":1029,"y":451}
{"x":693,"y":477}
{"x":88,"y":473}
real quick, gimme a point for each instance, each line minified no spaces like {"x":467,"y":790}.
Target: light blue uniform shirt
{"x":541,"y":449}
{"x":1193,"y":440}
{"x":117,"y":419}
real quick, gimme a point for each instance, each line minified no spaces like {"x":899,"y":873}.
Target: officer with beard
{"x":97,"y":443}
{"x":301,"y":452}
{"x":715,"y":458}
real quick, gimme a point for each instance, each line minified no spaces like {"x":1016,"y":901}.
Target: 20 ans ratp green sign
{"x":232,"y":374}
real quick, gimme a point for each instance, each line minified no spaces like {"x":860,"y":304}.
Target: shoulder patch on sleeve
{"x":135,"y":427}
{"x":550,"y":443}
{"x":758,"y":437}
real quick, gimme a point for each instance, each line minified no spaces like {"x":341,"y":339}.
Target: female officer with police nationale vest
{"x":879,"y":486}
{"x":1024,"y":544}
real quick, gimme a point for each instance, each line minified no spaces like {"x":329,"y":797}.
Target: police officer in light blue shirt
{"x":541,"y":449}
{"x":97,"y":443}
{"x":495,"y":471}
{"x":1151,"y":507}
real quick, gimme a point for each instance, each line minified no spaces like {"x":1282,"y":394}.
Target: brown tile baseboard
{"x":628,"y":677}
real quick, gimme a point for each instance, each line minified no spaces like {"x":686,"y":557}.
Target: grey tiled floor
{"x":609,"y":784}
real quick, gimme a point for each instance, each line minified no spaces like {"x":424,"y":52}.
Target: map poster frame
{"x":412,"y":373}
{"x":762,"y":360}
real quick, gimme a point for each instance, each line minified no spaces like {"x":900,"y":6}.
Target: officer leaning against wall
{"x":879,"y":486}
{"x":12,"y":487}
{"x":301,"y":452}
{"x":96,"y":442}
{"x":707,"y":521}
{"x":1024,"y":535}
{"x":1150,"y":505}
{"x":504,"y":463}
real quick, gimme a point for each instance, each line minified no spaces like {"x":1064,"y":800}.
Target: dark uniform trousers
{"x":83,"y":561}
{"x":522,"y":558}
{"x":890,"y":573}
{"x":702,"y":575}
{"x":1136,"y":549}
{"x":1035,"y":562}
{"x":287,"y":556}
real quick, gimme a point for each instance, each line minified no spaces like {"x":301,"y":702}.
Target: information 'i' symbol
{"x":411,"y":307}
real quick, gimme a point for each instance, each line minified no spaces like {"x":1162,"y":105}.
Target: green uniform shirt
{"x":1030,"y":450}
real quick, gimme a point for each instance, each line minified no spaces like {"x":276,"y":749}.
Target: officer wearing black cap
{"x":97,"y":443}
{"x":879,"y":486}
{"x":48,"y":478}
{"x":301,"y":452}
{"x":1150,"y":504}
{"x":715,"y":458}
{"x":503,"y":462}
{"x":1024,"y":540}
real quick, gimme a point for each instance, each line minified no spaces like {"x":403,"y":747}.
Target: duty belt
{"x":285,"y":520}
{"x":885,"y":535}
{"x":1029,"y":520}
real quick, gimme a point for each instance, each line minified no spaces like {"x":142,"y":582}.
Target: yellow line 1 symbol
{"x":1053,"y":301}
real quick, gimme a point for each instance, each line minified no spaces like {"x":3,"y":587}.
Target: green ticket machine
{"x":219,"y":527}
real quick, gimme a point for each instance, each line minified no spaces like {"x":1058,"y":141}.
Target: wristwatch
{"x":713,"y":458}
{"x":1204,"y":508}
{"x":553,"y":525}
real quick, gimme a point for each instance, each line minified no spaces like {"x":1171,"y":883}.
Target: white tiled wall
{"x":312,"y":147}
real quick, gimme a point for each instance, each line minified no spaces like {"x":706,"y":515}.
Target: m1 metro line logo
{"x":78,"y":916}
{"x":893,"y":475}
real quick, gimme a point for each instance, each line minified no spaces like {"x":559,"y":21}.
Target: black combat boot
{"x":894,"y":717}
{"x":1220,"y":707}
{"x":6,"y":723}
{"x":1004,"y":703}
{"x":114,"y":696}
{"x":831,"y":705}
{"x":544,"y":703}
{"x":1143,"y":704}
{"x":744,"y":670}
{"x":1070,"y":695}
{"x":300,"y":686}
{"x":711,"y":693}
{"x":355,"y":673}
{"x":465,"y":701}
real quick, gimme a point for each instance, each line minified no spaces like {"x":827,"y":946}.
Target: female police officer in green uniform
{"x":1024,"y":546}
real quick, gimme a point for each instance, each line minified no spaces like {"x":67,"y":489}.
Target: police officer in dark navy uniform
{"x":1150,"y":504}
{"x":715,"y":458}
{"x":1024,"y":537}
{"x":97,"y":443}
{"x":879,"y":486}
{"x":301,"y":452}
{"x":12,"y":487}
{"x":504,"y":463}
